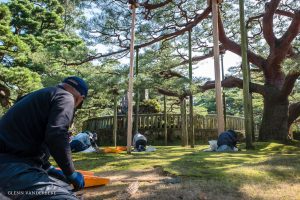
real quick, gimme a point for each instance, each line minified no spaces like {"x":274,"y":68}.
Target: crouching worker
{"x":227,"y":141}
{"x":32,"y":130}
{"x":84,"y":140}
{"x":139,"y":142}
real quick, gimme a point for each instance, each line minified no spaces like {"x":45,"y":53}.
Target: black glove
{"x":77,"y":180}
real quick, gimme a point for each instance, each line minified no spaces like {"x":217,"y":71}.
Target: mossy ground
{"x":271,"y":171}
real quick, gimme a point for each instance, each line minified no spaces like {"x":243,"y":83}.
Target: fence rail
{"x":156,"y":121}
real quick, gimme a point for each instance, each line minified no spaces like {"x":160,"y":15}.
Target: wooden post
{"x":115,"y":123}
{"x":137,"y":97}
{"x":224,"y":97}
{"x":215,"y":12}
{"x":130,"y":84}
{"x":246,"y":78}
{"x":166,"y":120}
{"x":191,"y":127}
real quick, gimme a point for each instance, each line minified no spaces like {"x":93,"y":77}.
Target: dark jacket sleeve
{"x":46,"y":165}
{"x":45,"y":157}
{"x":56,"y":137}
{"x":226,"y":138}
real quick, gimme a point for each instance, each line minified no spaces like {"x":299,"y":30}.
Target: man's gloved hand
{"x":77,"y":180}
{"x":56,"y":173}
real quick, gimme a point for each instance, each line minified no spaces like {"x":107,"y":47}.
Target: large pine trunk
{"x":274,"y":124}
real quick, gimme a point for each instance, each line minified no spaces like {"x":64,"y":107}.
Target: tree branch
{"x":294,"y":112}
{"x":289,"y":83}
{"x":149,"y":6}
{"x":168,"y":92}
{"x":268,"y":33}
{"x":278,"y":11}
{"x":285,"y":13}
{"x":235,"y":48}
{"x":189,"y":26}
{"x":199,"y":58}
{"x":233,"y":82}
{"x":96,"y":56}
{"x":283,"y":48}
{"x":172,"y":93}
{"x":291,"y":33}
{"x":167,"y":74}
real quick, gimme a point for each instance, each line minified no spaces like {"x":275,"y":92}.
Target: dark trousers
{"x":77,"y":146}
{"x":140,"y":142}
{"x":20,"y":180}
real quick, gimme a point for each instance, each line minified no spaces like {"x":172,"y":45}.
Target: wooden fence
{"x":156,"y":121}
{"x":152,"y":125}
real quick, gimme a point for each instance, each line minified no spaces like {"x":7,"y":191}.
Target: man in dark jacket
{"x":32,"y":130}
{"x":227,"y":141}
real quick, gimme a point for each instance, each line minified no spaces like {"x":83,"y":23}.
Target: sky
{"x":205,"y":68}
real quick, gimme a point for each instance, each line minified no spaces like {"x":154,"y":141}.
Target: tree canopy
{"x":273,"y":37}
{"x":53,"y":39}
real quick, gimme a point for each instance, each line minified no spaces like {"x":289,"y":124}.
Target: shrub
{"x":149,"y":106}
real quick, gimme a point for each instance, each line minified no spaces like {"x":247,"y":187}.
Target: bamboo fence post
{"x":166,"y":120}
{"x":246,"y":78}
{"x":115,"y":122}
{"x":191,"y":114}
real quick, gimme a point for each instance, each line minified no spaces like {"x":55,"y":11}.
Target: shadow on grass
{"x":227,"y":173}
{"x":205,"y":175}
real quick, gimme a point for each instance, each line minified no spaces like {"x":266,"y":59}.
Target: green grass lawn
{"x":271,"y":171}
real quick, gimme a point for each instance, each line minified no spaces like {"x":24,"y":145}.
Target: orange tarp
{"x":92,"y":181}
{"x":118,"y":149}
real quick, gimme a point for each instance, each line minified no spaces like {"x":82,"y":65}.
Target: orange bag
{"x":92,"y":181}
{"x":111,"y":150}
{"x":121,"y":148}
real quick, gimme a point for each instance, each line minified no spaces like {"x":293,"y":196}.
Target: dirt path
{"x":147,"y":184}
{"x":155,"y":184}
